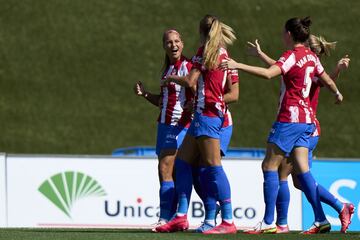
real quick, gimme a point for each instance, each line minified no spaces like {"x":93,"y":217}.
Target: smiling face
{"x":173,"y":45}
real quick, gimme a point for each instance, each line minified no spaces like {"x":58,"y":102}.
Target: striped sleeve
{"x":286,"y":61}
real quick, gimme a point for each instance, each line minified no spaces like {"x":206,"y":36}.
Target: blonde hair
{"x":167,"y":60}
{"x":320,"y":46}
{"x":216,"y":34}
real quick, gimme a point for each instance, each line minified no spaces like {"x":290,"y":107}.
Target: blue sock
{"x":329,"y":199}
{"x":311,"y":192}
{"x":183,"y":184}
{"x":208,"y":197}
{"x":271,"y":187}
{"x":199,"y":189}
{"x":167,"y":191}
{"x":282,"y":203}
{"x":219,"y":189}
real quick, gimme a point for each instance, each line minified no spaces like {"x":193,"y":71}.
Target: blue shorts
{"x":206,"y":126}
{"x":313,"y":141}
{"x":287,"y":136}
{"x":225,"y":136}
{"x":169,"y":137}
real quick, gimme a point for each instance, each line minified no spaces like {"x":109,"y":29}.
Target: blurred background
{"x":67,"y":68}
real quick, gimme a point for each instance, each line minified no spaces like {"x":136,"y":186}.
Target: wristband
{"x":337,"y":93}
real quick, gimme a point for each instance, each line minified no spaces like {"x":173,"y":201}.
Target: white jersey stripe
{"x":289,"y":63}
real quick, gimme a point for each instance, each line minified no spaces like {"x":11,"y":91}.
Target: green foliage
{"x":67,"y":68}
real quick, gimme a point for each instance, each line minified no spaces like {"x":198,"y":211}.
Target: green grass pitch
{"x":124,"y":234}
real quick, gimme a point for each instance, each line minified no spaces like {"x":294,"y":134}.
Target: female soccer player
{"x":320,"y":47}
{"x":173,"y":120}
{"x":203,"y":135}
{"x":295,"y":122}
{"x":231,"y":95}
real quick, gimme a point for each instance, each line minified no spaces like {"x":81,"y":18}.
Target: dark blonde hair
{"x":320,"y":46}
{"x":216,"y":34}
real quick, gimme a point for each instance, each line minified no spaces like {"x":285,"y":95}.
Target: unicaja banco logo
{"x":64,"y":189}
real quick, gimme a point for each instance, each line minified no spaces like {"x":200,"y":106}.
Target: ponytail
{"x":320,"y":46}
{"x":217,"y":35}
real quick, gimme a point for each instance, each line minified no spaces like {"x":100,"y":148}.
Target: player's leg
{"x":270,"y":165}
{"x":217,"y":185}
{"x":167,"y":186}
{"x":210,"y":203}
{"x":172,"y":139}
{"x":345,"y":210}
{"x":283,"y":198}
{"x":183,"y":184}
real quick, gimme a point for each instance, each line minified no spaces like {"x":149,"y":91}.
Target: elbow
{"x":235,"y":99}
{"x":267,"y":76}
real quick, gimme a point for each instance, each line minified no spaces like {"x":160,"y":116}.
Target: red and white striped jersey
{"x":299,"y":66}
{"x":175,"y":97}
{"x":209,"y":99}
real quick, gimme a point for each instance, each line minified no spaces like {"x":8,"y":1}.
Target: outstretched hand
{"x":343,"y":63}
{"x":339,"y":98}
{"x":139,"y":89}
{"x":228,"y":63}
{"x":254,"y":49}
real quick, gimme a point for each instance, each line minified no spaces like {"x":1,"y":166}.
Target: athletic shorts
{"x":287,"y":136}
{"x":169,"y":137}
{"x":225,"y":136}
{"x":206,"y":126}
{"x":313,"y":141}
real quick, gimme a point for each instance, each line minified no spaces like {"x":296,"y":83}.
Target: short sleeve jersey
{"x":209,"y":99}
{"x":298,"y":66}
{"x":175,"y":97}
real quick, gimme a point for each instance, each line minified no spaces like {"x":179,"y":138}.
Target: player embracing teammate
{"x":290,"y":137}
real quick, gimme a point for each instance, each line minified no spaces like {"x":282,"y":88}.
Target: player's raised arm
{"x":266,"y":73}
{"x":187,"y":81}
{"x":341,"y":65}
{"x":330,"y":84}
{"x":254,"y":49}
{"x":139,"y":90}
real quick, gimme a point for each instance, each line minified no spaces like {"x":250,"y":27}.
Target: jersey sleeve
{"x":197,"y":59}
{"x":233,"y":74}
{"x":319,"y":69}
{"x":286,"y":61}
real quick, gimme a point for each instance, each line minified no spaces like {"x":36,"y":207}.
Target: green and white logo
{"x":64,"y":189}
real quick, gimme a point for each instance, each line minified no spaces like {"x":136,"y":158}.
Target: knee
{"x":166,"y":168}
{"x":268,"y":165}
